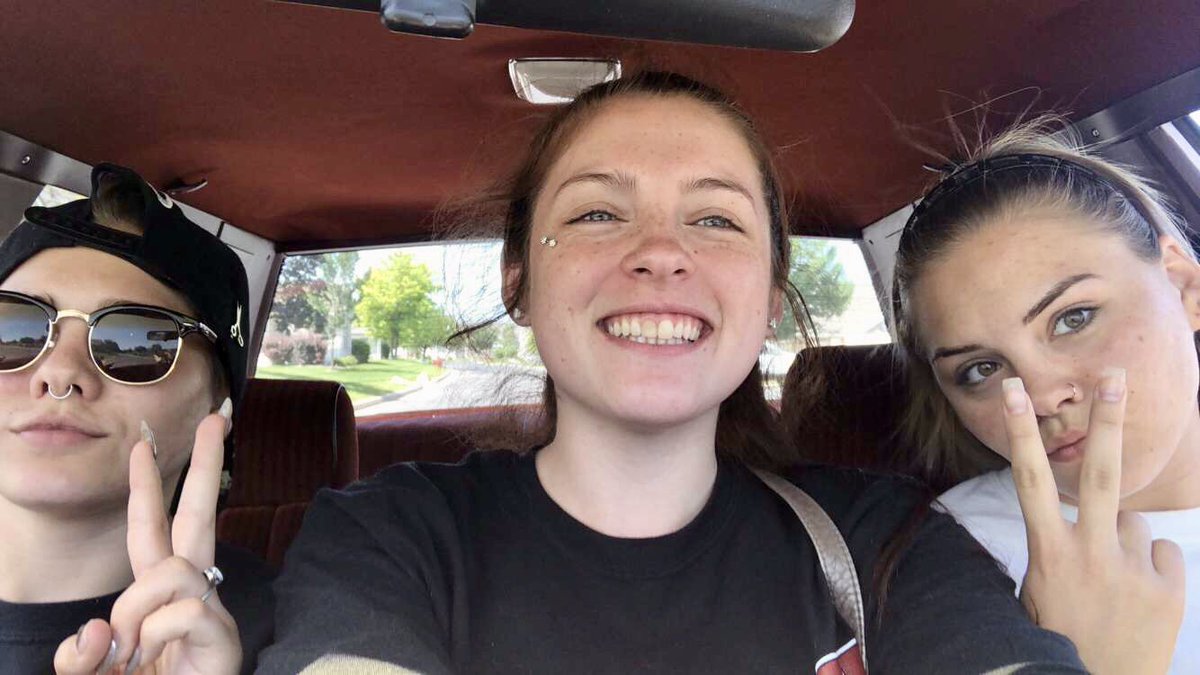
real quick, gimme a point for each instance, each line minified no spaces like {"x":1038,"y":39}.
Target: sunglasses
{"x":129,"y":344}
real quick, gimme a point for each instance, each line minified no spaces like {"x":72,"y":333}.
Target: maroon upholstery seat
{"x":292,"y":437}
{"x":842,"y":406}
{"x":438,"y":436}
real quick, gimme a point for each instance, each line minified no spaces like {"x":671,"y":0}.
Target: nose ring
{"x":56,"y":397}
{"x":1074,"y":392}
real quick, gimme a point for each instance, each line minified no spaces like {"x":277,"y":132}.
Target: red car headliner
{"x":317,"y":126}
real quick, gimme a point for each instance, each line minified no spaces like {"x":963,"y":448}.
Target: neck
{"x":52,"y":557}
{"x":1177,"y":486}
{"x":629,"y":482}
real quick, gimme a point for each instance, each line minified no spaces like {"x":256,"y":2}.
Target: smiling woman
{"x":646,"y":246}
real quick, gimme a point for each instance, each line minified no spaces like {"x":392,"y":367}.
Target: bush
{"x":361,"y":349}
{"x":346,"y":361}
{"x":310,"y":348}
{"x":280,"y":349}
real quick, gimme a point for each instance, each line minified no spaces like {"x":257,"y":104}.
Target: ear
{"x":512,"y":301}
{"x":775,"y":311}
{"x":1184,"y":274}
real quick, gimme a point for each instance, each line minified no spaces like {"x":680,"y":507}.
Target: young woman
{"x":1048,"y":303}
{"x":119,"y":325}
{"x":646,"y":246}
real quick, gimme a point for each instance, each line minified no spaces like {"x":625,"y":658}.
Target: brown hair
{"x":747,"y":426}
{"x":1032,"y":169}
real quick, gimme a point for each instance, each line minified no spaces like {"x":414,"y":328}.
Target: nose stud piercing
{"x":1074,"y":393}
{"x":56,"y":397}
{"x":548,"y":241}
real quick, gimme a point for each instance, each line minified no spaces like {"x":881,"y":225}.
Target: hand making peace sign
{"x":1101,"y":582}
{"x":168,"y":620}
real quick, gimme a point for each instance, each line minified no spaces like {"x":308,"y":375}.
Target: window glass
{"x":377,"y":321}
{"x":51,"y":196}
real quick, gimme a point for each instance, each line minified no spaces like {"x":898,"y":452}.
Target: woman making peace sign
{"x":117,"y":332}
{"x":1048,"y":305}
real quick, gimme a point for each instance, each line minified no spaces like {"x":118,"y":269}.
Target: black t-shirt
{"x":31,"y":633}
{"x":472,"y":568}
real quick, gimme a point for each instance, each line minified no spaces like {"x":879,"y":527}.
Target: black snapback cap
{"x":172,"y":249}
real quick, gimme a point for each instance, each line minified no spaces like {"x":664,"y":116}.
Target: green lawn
{"x":364,"y":381}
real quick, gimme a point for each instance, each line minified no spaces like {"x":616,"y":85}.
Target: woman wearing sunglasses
{"x":121,"y":355}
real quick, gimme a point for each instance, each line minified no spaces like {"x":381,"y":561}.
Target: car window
{"x":378,"y":320}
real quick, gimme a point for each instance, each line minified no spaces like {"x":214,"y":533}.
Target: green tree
{"x":817,"y":273}
{"x":506,"y":343}
{"x":299,"y":281}
{"x":396,"y":306}
{"x":336,"y":299}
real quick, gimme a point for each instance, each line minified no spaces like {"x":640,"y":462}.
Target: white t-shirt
{"x":987,"y":506}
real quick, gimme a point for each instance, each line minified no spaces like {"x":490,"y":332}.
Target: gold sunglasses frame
{"x":184,"y":324}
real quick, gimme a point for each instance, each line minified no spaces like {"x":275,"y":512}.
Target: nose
{"x":658,"y":255}
{"x":66,"y":366}
{"x":1051,"y":390}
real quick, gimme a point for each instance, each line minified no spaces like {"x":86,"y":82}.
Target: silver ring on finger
{"x":213,"y":577}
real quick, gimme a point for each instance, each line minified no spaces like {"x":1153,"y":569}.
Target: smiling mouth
{"x":655,"y":329}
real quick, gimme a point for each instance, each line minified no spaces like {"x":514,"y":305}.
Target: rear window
{"x":377,"y":320}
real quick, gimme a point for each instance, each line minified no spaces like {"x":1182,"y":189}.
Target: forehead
{"x":657,"y":134}
{"x":83,"y":278}
{"x":992,"y":276}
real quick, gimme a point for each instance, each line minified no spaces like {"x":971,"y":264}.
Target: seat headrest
{"x":842,"y":405}
{"x":291,"y":438}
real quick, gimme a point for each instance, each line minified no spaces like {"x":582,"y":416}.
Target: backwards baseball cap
{"x":171,"y":248}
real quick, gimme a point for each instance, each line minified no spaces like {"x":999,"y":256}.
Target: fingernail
{"x":1112,"y":384}
{"x":79,"y":641}
{"x":134,"y":661}
{"x":1014,"y":396}
{"x":110,"y":659}
{"x":148,"y":436}
{"x":226,"y":411}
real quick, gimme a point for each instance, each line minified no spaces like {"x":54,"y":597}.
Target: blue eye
{"x":594,"y":216}
{"x":1073,"y":320}
{"x":715,"y":221}
{"x":976,"y":373}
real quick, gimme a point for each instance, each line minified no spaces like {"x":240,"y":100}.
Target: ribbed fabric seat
{"x":292,"y":437}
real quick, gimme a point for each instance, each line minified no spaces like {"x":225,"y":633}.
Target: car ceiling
{"x":316,"y":127}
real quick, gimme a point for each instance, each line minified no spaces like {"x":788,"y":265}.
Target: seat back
{"x":292,"y":437}
{"x":843,"y":405}
{"x":439,"y":436}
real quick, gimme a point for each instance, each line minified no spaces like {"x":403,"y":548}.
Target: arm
{"x":363,"y":579}
{"x":949,"y":609}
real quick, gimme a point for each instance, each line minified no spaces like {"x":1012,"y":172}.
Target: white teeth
{"x":646,"y":330}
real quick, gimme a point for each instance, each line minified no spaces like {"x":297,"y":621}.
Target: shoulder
{"x":422,"y":495}
{"x":854,"y":497}
{"x":990,"y":491}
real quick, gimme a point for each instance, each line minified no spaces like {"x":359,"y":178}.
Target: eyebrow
{"x":710,"y":183}
{"x":945,"y":352}
{"x":1053,"y":294}
{"x":618,"y":180}
{"x":1050,"y":296}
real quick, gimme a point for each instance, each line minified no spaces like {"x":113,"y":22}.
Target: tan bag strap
{"x":832,"y":552}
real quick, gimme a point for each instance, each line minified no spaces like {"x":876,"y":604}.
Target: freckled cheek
{"x":986,"y":422}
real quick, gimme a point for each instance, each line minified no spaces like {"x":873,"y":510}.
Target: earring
{"x":516,"y":313}
{"x":773,"y":324}
{"x":548,"y":241}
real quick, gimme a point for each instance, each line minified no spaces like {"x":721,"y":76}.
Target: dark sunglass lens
{"x":135,"y":345}
{"x":24,"y":328}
